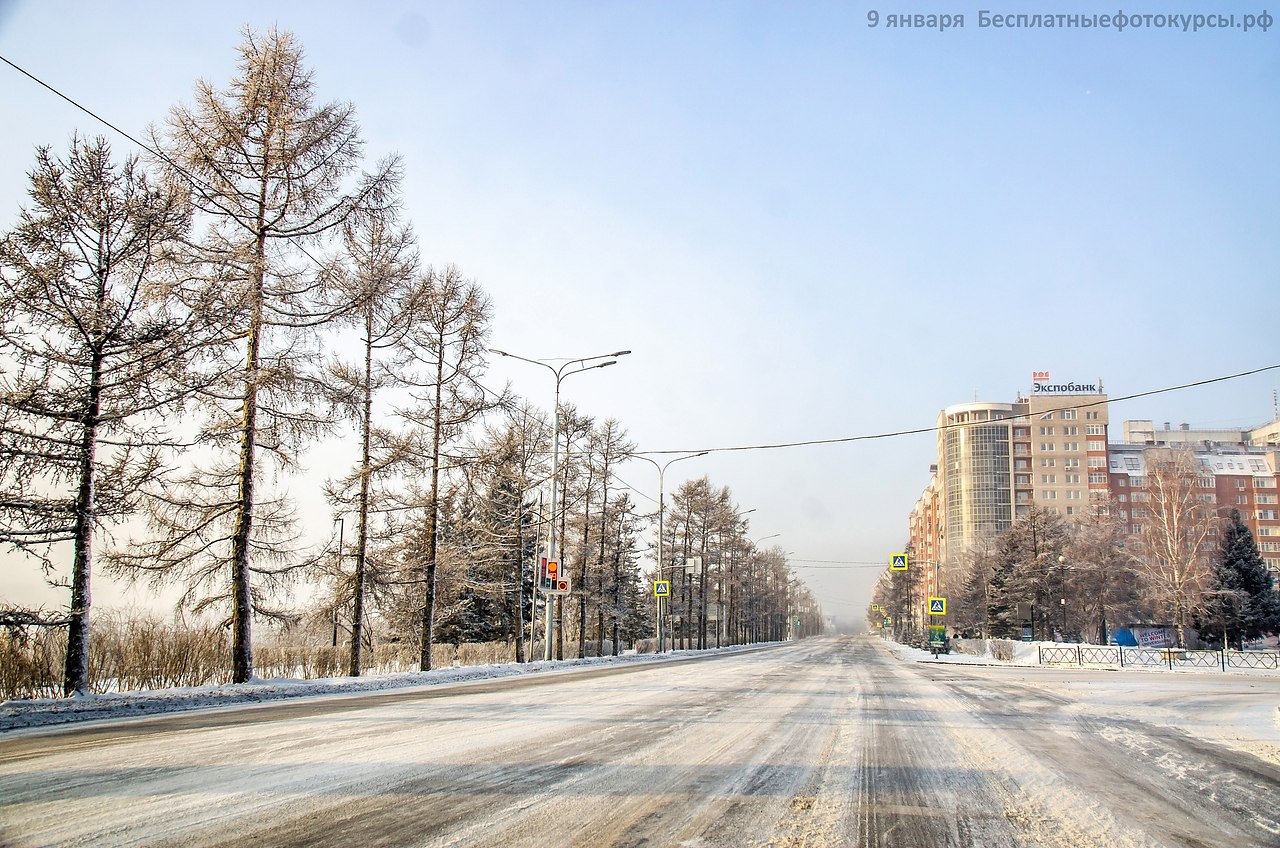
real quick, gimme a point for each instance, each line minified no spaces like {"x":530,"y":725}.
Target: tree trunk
{"x":242,"y":597}
{"x":362,"y":531}
{"x":433,"y":509}
{"x":75,"y":679}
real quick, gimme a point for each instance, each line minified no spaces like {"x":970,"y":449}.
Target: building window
{"x":1091,"y":414}
{"x":1204,"y":482}
{"x":1095,"y":430}
{"x":1048,"y":416}
{"x":1097,"y":462}
{"x":1131,"y":463}
{"x":1097,"y":478}
{"x":1068,"y":415}
{"x":1122,"y":481}
{"x":1239,"y":483}
{"x":1046,"y":462}
{"x":1122,"y":498}
{"x":1265,"y":499}
{"x":1264,"y":483}
{"x":1268,"y":515}
{"x":1046,"y":431}
{"x":1071,"y":446}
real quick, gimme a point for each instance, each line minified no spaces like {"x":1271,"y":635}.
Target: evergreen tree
{"x":1242,"y":601}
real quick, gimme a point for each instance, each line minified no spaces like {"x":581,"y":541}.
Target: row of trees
{"x":1187,"y":565}
{"x":168,"y":342}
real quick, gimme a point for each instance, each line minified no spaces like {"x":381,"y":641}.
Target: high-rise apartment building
{"x":1051,"y":448}
{"x":996,"y":459}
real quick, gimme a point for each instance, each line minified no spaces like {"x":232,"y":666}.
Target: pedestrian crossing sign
{"x":661,"y":588}
{"x":898,"y":562}
{"x":937,"y":606}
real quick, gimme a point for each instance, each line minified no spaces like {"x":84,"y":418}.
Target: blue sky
{"x":805,"y":228}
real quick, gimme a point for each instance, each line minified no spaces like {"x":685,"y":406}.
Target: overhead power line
{"x":958,"y":425}
{"x":194,"y":180}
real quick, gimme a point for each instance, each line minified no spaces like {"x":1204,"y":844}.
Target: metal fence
{"x":1170,"y":658}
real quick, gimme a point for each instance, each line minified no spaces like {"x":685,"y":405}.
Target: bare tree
{"x":446,"y":346}
{"x":1105,"y":585}
{"x":607,"y":444}
{"x":92,"y":350}
{"x":1174,"y":543}
{"x":267,"y":169}
{"x":376,"y":276}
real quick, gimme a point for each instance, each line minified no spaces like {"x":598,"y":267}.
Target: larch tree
{"x":93,"y":353}
{"x":446,"y":353}
{"x":272,"y":173}
{"x":376,"y":275}
{"x":577,"y":483}
{"x":607,"y":445}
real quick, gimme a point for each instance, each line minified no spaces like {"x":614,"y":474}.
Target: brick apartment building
{"x":1053,"y":449}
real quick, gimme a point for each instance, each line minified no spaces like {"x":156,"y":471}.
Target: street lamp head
{"x":620,"y":353}
{"x":1062,"y":559}
{"x":499,"y":352}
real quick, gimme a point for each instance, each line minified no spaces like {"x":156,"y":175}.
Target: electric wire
{"x":961,"y":425}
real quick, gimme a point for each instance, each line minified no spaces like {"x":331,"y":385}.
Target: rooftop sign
{"x":1040,"y":385}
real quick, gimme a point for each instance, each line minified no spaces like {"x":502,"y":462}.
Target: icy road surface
{"x":822,"y":743}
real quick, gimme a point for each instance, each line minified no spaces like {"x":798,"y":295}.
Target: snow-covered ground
{"x":1240,"y":707}
{"x":42,"y":712}
{"x":800,"y":745}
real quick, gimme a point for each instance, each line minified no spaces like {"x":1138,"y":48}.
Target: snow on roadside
{"x":1237,"y":708}
{"x":41,"y":712}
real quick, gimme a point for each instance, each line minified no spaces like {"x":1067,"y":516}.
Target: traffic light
{"x":550,"y":574}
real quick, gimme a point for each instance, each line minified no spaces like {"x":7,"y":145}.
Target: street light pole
{"x":564,"y":371}
{"x":662,"y":471}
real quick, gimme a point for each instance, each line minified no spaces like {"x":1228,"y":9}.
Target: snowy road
{"x":821,"y":743}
